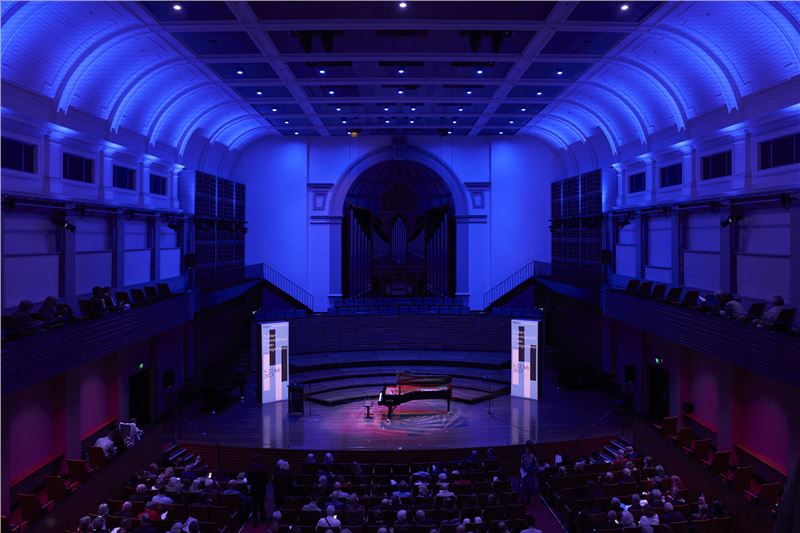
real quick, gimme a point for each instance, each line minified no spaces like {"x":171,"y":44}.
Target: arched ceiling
{"x":237,"y":71}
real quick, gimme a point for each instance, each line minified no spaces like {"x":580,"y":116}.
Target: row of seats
{"x":137,"y":297}
{"x":763,"y":495}
{"x":691,"y":298}
{"x":391,"y":309}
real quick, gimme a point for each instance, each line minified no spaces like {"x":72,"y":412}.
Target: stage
{"x":559,"y":416}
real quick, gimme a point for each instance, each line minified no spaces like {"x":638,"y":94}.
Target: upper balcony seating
{"x":690,"y":298}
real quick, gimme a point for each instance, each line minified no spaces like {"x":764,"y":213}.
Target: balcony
{"x":43,"y":355}
{"x":772,"y":354}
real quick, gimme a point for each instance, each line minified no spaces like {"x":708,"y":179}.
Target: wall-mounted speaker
{"x":168,"y":378}
{"x":630,"y":373}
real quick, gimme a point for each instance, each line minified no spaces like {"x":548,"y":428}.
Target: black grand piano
{"x":416,"y":387}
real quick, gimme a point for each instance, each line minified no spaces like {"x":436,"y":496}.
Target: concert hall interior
{"x":520,"y":266}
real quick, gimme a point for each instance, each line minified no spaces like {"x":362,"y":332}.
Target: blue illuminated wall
{"x":293,"y":218}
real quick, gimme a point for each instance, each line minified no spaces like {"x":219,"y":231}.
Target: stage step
{"x":328,"y":361}
{"x":502,"y":377}
{"x":370,"y":392}
{"x":377,"y":382}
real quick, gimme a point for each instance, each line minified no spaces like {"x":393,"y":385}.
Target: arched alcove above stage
{"x":404,"y":205}
{"x":398,"y":233}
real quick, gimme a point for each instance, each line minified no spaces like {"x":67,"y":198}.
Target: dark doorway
{"x":659,"y":392}
{"x":139,"y":397}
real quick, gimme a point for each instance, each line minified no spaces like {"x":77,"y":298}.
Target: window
{"x":779,"y":152}
{"x":716,"y":165}
{"x":636,"y":182}
{"x":670,"y":175}
{"x":124,"y":178}
{"x":78,"y":168}
{"x":158,"y":184}
{"x":18,"y":155}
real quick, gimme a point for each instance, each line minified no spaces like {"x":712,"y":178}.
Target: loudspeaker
{"x":296,"y":397}
{"x":630,"y":373}
{"x":168,"y":378}
{"x":688,"y":408}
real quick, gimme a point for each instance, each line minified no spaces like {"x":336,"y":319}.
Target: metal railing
{"x":266,"y":272}
{"x":182,"y":419}
{"x":532,"y":269}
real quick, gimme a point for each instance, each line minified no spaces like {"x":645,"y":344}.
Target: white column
{"x":651,"y":180}
{"x":143,"y":185}
{"x":104,"y":176}
{"x":51,"y":166}
{"x":689,"y":172}
{"x":742,"y":161}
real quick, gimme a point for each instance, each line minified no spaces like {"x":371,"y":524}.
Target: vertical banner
{"x":525,"y":352}
{"x":274,"y":362}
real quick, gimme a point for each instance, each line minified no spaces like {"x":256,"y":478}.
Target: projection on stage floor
{"x":525,"y":356}
{"x":274,"y":362}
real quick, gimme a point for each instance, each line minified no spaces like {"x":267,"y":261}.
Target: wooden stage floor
{"x":559,"y":416}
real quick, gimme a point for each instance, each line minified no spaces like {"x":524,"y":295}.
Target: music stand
{"x":368,"y":406}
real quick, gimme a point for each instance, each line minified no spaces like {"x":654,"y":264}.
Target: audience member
{"x":660,"y":474}
{"x":97,"y":301}
{"x":51,"y":311}
{"x":627,"y":519}
{"x":401,"y":525}
{"x":612,"y":521}
{"x":161,"y":498}
{"x":150,"y":512}
{"x":649,"y":517}
{"x":106,"y":442}
{"x":329,"y":521}
{"x":147,"y":525}
{"x":258,"y":478}
{"x":732,"y":308}
{"x":125,"y":511}
{"x":531,"y":520}
{"x":99,"y":525}
{"x":671,"y":515}
{"x":281,"y":483}
{"x":141,"y":494}
{"x":420,"y":519}
{"x":23,"y":318}
{"x":771,"y":316}
{"x":85,"y":524}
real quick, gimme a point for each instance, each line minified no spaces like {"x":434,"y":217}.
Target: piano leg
{"x":390,"y":408}
{"x":448,"y":406}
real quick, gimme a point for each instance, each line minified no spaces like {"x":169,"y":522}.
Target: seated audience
{"x":531,"y":520}
{"x":771,"y":315}
{"x":147,"y":525}
{"x":141,"y":494}
{"x":329,"y":521}
{"x":161,"y":498}
{"x":85,"y":524}
{"x":311,"y":505}
{"x":421,"y":520}
{"x":97,"y":301}
{"x":106,"y":442}
{"x":52,"y":311}
{"x":732,"y":308}
{"x":23,"y":318}
{"x":125,"y":511}
{"x":99,"y":525}
{"x":628,"y":520}
{"x":671,"y":515}
{"x":612,"y":522}
{"x":649,"y":517}
{"x":150,"y":512}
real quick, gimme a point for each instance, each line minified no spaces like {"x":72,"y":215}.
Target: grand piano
{"x":416,"y":387}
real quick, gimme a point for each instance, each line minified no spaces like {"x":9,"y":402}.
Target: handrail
{"x":220,"y":455}
{"x":266,"y":272}
{"x":532,"y":269}
{"x":592,"y":428}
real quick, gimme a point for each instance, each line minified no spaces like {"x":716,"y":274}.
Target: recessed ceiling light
{"x":449,"y":132}
{"x":177,"y":7}
{"x":331,"y":92}
{"x":386,"y":121}
{"x":479,"y":71}
{"x":338,"y":109}
{"x":413,"y":109}
{"x":274,"y":109}
{"x":403,"y":5}
{"x":523,"y":109}
{"x":285,"y":121}
{"x":501,"y":133}
{"x":259,"y":93}
{"x":240,"y":72}
{"x":344,"y":122}
{"x":510,"y":121}
{"x":411,"y":121}
{"x":400,"y":91}
{"x":322,"y":71}
{"x":539,"y":93}
{"x":401,"y":71}
{"x":559,"y":72}
{"x":461,"y":109}
{"x":454,"y":122}
{"x":297,"y":133}
{"x":624,"y":7}
{"x":469,"y":92}
{"x":386,"y":109}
